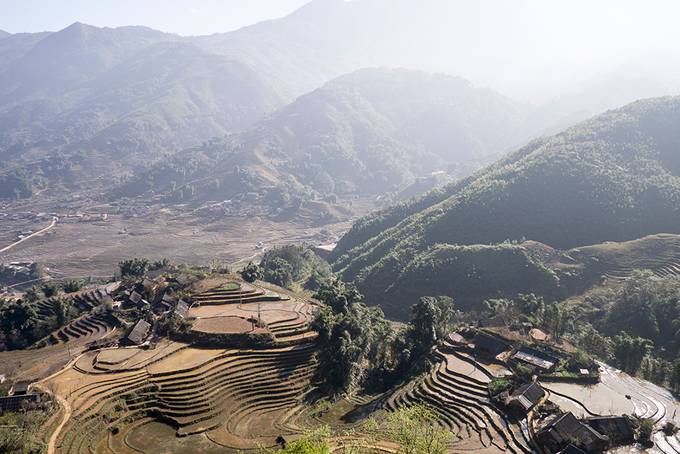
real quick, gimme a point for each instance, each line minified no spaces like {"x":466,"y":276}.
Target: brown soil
{"x":226,"y":325}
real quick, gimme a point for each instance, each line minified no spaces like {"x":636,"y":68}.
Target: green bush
{"x":294,"y":264}
{"x":72,"y":285}
{"x":135,"y":267}
{"x":50,"y":289}
{"x":251,"y":272}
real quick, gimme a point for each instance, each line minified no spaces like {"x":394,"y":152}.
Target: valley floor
{"x":81,"y":246}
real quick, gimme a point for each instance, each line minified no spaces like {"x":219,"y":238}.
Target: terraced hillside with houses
{"x":237,"y":397}
{"x":180,"y":360}
{"x":93,"y":323}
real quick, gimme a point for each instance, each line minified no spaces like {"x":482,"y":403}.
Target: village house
{"x":457,"y":339}
{"x":497,"y":321}
{"x":525,"y":397}
{"x":138,"y":333}
{"x":19,"y":388}
{"x":566,"y":429}
{"x":182,"y":309}
{"x":535,"y":359}
{"x":23,"y":401}
{"x":490,"y":345}
{"x":619,"y":429}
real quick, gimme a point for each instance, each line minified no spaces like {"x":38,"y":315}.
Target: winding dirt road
{"x":39,"y":232}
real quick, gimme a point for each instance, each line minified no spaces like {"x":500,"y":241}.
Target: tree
{"x":355,"y":341}
{"x":31,"y":295}
{"x":72,"y":285}
{"x":646,"y":431}
{"x":61,"y":308}
{"x":315,"y":441}
{"x":338,"y":295}
{"x":251,"y":272}
{"x":37,"y":270}
{"x":629,"y":351}
{"x":416,"y":430}
{"x":50,"y":289}
{"x":635,"y":308}
{"x":556,"y":319}
{"x":298,"y":262}
{"x":279,"y":272}
{"x":494,"y":307}
{"x":160,"y":264}
{"x":675,"y":375}
{"x":430,"y":319}
{"x":135,"y":267}
{"x":590,"y":340}
{"x":18,"y":320}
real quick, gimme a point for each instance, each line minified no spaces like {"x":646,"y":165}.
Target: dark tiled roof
{"x":16,"y":403}
{"x":135,"y":297}
{"x":565,"y":429}
{"x":496,"y":321}
{"x":491,"y":344}
{"x":527,"y":395}
{"x":139,"y":332}
{"x":20,"y":387}
{"x":617,"y":428}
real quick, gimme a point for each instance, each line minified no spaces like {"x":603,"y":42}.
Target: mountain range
{"x":370,"y":132}
{"x":90,"y":107}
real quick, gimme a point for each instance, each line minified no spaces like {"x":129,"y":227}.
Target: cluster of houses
{"x":151,"y":296}
{"x":566,"y":434}
{"x":562,"y":432}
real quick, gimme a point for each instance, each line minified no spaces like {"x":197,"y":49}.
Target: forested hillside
{"x":104,"y":100}
{"x":615,"y":177}
{"x":369,"y":132}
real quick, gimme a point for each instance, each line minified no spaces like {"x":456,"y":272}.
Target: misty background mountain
{"x":89,"y":107}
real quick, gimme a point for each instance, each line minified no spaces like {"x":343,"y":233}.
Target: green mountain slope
{"x":613,"y":178}
{"x":109,"y":100}
{"x":368,"y":132}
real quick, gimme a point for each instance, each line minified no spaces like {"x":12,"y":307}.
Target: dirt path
{"x":39,"y":232}
{"x":51,"y":444}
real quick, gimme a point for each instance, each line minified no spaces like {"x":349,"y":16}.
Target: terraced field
{"x":57,"y":349}
{"x":224,"y":398}
{"x":457,"y":391}
{"x":658,"y":253}
{"x":287,"y":319}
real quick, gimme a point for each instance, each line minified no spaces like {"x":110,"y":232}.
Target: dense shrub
{"x":251,"y":272}
{"x":294,"y":264}
{"x":136,"y":267}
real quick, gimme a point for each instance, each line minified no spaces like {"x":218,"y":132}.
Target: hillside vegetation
{"x":613,"y":178}
{"x":369,"y":132}
{"x":108,"y":99}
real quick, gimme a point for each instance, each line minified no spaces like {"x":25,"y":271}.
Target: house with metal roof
{"x":535,"y":358}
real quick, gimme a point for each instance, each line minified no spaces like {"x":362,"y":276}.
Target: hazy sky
{"x":186,"y":17}
{"x":528,"y":49}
